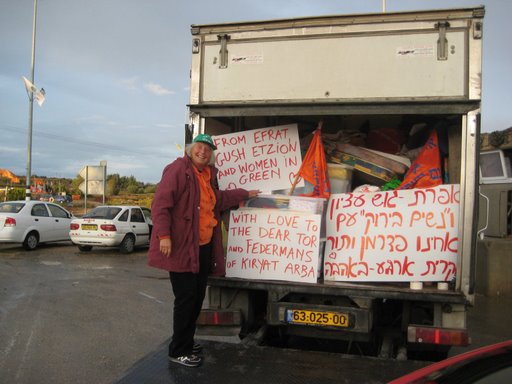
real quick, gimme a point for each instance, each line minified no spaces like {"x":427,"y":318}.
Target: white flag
{"x":39,"y":95}
{"x":32,"y":89}
{"x":28,"y":85}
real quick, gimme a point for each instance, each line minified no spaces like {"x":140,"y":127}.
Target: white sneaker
{"x":188,"y":361}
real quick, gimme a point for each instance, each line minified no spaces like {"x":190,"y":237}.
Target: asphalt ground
{"x":104,"y":317}
{"x":225,"y":363}
{"x":72,"y":317}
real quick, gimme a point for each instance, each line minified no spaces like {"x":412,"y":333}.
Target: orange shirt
{"x":207,"y":202}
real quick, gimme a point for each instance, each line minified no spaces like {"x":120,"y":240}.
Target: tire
{"x":84,"y":248}
{"x":128,"y":244}
{"x":31,"y":241}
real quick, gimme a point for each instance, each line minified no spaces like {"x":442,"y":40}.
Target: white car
{"x":112,"y":226}
{"x":32,"y":222}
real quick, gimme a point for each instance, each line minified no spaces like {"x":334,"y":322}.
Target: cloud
{"x":130,"y":83}
{"x":157,"y":89}
{"x":121,"y":167}
{"x":96,"y":119}
{"x":165,"y":125}
{"x":5,"y":149}
{"x":133,"y":84}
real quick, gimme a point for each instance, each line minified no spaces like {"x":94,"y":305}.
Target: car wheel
{"x":84,"y":248}
{"x":31,"y":241}
{"x":128,"y":244}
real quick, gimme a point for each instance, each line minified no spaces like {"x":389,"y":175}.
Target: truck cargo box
{"x":363,"y":76}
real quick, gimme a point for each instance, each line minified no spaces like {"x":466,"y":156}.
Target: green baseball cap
{"x":204,"y":138}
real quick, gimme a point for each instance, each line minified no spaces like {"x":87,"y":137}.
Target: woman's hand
{"x":165,"y":247}
{"x":254,"y":193}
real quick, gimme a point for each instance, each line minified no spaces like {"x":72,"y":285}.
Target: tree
{"x":113,"y":185}
{"x":15,"y":194}
{"x":75,"y":185}
{"x":130,"y":185}
{"x":150,"y":188}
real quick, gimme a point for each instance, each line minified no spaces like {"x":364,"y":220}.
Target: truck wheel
{"x":276,"y":336}
{"x":128,"y":244}
{"x":386,"y":347}
{"x":31,"y":241}
{"x":254,"y":338}
{"x":84,"y":248}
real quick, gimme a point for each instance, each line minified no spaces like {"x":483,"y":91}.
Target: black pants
{"x":189,"y":290}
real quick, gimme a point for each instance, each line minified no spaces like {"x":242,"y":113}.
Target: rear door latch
{"x":223,"y":53}
{"x":442,"y":41}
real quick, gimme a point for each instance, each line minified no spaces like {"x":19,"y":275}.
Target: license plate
{"x":89,"y":227}
{"x":332,"y":319}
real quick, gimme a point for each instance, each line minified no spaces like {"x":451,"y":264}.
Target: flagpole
{"x":31,"y":108}
{"x":297,"y":177}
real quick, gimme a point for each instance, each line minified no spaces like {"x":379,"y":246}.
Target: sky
{"x":116,"y":75}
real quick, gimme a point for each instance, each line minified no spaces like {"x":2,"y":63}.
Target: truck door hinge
{"x":223,"y":53}
{"x":196,"y":45}
{"x":477,"y":30}
{"x":442,"y":41}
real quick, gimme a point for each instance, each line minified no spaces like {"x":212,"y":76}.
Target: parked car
{"x":112,"y":226}
{"x":46,"y":197}
{"x":63,"y":199}
{"x":487,"y":365}
{"x":32,"y":222}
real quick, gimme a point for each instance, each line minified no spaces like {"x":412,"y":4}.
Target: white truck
{"x":352,"y":72}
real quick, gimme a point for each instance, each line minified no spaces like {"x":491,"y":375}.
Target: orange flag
{"x":425,"y":171}
{"x":314,"y":167}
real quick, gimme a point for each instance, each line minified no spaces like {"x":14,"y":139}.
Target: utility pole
{"x":31,"y":109}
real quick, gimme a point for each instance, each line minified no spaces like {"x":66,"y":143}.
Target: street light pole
{"x":31,"y":108}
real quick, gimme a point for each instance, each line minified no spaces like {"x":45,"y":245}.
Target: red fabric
{"x":314,"y":168}
{"x":389,"y":140}
{"x":425,"y":171}
{"x":175,"y":213}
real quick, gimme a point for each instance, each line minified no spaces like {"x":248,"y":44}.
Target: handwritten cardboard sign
{"x":259,"y":159}
{"x":406,"y":235}
{"x":273,"y":244}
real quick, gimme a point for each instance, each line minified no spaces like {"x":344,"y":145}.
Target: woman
{"x":186,"y":239}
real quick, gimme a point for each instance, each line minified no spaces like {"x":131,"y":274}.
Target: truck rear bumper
{"x":387,"y":291}
{"x":342,"y":311}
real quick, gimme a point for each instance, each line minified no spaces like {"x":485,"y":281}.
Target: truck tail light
{"x":108,"y":227}
{"x":438,"y":336}
{"x":74,"y":226}
{"x":219,"y":317}
{"x":10,"y":222}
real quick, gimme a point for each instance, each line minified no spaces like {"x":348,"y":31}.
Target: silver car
{"x":32,"y":222}
{"x":120,"y":226}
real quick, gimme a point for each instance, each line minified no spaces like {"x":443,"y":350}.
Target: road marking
{"x":94,"y":267}
{"x":10,"y":345}
{"x":51,"y":263}
{"x":151,"y":297}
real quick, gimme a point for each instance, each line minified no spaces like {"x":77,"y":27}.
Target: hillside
{"x":78,"y":206}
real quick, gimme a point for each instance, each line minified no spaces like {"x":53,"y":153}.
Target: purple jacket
{"x":175,"y":213}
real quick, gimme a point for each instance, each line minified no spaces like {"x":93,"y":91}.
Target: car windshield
{"x":11,"y":207}
{"x":102,"y":213}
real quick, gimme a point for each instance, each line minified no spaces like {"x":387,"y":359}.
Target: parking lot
{"x":71,"y":317}
{"x":67,"y":316}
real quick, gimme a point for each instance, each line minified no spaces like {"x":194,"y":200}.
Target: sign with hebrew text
{"x":402,"y":235}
